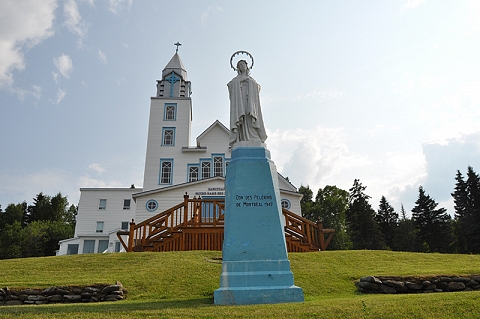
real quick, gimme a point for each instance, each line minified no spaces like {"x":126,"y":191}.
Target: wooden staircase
{"x":198,"y":224}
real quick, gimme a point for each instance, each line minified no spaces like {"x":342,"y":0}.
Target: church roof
{"x":216,"y":123}
{"x":175,"y":65}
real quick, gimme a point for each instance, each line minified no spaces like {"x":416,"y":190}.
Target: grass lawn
{"x":181,"y":284}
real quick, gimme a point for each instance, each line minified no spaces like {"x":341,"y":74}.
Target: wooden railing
{"x":198,"y":224}
{"x":162,"y":229}
{"x":306,"y":231}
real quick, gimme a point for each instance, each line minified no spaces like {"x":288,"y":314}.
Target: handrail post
{"x":185,"y":208}
{"x":309,"y":235}
{"x":130,"y":236}
{"x":321,"y":234}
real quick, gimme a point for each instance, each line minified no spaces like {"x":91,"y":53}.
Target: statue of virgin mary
{"x":246,"y":121}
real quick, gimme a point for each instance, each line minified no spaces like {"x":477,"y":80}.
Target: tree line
{"x":34,"y":230}
{"x":429,"y":229}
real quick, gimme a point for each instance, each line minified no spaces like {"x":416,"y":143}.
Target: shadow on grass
{"x":102,"y":307}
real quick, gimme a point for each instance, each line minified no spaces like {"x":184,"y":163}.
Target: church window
{"x":100,"y":227}
{"x":151,"y":205}
{"x":166,"y":169}
{"x":217,"y":166}
{"x":88,"y":246}
{"x":193,"y":173}
{"x":170,"y":113}
{"x":126,"y":204}
{"x":286,"y":203}
{"x":206,"y":169}
{"x":102,"y":246}
{"x":168,"y":136}
{"x":72,"y":249}
{"x":103,"y":204}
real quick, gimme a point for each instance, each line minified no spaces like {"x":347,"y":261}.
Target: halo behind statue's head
{"x":238,"y":56}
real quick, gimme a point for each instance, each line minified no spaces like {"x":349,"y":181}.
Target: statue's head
{"x":242,"y":67}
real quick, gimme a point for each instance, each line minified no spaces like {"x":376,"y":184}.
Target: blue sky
{"x":384,"y":91}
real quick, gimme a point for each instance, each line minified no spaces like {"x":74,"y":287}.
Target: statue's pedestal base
{"x":255,"y":266}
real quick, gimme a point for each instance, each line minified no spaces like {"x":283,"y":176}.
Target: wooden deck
{"x":198,"y":224}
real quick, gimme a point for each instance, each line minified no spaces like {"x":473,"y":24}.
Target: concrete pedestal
{"x":255,"y":267}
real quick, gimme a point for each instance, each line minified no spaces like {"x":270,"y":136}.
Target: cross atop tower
{"x":177,"y":44}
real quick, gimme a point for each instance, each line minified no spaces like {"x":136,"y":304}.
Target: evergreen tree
{"x":387,"y":220}
{"x":13,"y":213}
{"x":405,"y":237}
{"x":433,"y":224}
{"x":460,"y":198}
{"x":361,"y":226}
{"x":332,"y":203}
{"x":470,"y":223}
{"x":40,"y":210}
{"x":35,"y":230}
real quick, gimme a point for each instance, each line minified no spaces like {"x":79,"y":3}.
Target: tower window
{"x":193,"y":173}
{"x":217,"y":166}
{"x":166,"y":167}
{"x":170,"y":112}
{"x":168,"y":136}
{"x":206,"y":168}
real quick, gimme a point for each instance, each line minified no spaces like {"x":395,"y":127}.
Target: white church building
{"x":173,"y":167}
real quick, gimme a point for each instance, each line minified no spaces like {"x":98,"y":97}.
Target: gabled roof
{"x":287,"y":182}
{"x":216,"y":123}
{"x":175,"y":65}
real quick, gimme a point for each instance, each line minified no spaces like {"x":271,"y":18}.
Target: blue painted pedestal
{"x":255,"y":267}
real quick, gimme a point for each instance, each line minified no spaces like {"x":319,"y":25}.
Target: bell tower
{"x":169,"y":127}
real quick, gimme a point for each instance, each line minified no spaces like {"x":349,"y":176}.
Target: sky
{"x":387,"y":92}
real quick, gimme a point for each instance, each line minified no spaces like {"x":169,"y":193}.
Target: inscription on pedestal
{"x":247,"y":200}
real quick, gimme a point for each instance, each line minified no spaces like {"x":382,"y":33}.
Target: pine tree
{"x":470,"y":224}
{"x":433,"y":224}
{"x":387,"y":220}
{"x":361,"y":226}
{"x":460,"y":199}
{"x":405,"y":238}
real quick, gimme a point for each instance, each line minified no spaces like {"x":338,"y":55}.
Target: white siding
{"x":113,"y":214}
{"x":155,"y":150}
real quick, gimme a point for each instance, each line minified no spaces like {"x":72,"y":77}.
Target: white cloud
{"x":320,"y":156}
{"x":22,"y":26}
{"x":21,"y":94}
{"x":116,"y":6}
{"x":101,"y":56}
{"x":97,"y":168}
{"x":60,"y":96}
{"x":314,"y":96}
{"x":64,"y":66}
{"x":310,"y":157}
{"x":73,"y":20}
{"x":210,"y":10}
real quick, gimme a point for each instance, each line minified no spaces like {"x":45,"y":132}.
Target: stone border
{"x":62,"y":294}
{"x":407,"y":285}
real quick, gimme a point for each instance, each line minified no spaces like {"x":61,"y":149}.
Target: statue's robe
{"x":246,"y":121}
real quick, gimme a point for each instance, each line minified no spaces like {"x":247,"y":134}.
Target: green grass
{"x":181,"y":284}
